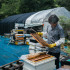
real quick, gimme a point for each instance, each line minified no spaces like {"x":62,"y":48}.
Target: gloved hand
{"x":40,"y":33}
{"x":52,"y":45}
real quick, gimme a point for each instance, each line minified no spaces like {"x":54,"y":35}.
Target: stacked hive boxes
{"x":19,"y":39}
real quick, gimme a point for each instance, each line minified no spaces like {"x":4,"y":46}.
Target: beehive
{"x":40,"y":62}
{"x":19,"y":36}
{"x":39,"y":57}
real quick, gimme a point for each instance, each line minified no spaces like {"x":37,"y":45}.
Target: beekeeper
{"x":55,"y":36}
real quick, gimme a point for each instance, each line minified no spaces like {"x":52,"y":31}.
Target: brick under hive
{"x":39,"y":39}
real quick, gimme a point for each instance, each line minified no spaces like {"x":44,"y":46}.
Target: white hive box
{"x":47,"y":64}
{"x":36,"y":48}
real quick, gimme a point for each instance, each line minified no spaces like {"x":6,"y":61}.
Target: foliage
{"x":9,"y":7}
{"x":63,"y":3}
{"x":35,"y":5}
{"x":65,"y":22}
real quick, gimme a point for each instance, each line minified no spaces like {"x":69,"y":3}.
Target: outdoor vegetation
{"x":13,"y":7}
{"x":65,"y":22}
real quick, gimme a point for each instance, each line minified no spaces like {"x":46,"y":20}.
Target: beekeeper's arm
{"x":60,"y":41}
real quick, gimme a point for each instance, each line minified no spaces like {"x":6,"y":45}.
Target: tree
{"x":9,"y":7}
{"x":35,"y":5}
{"x":1,"y":1}
{"x":65,"y":22}
{"x":63,"y":3}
